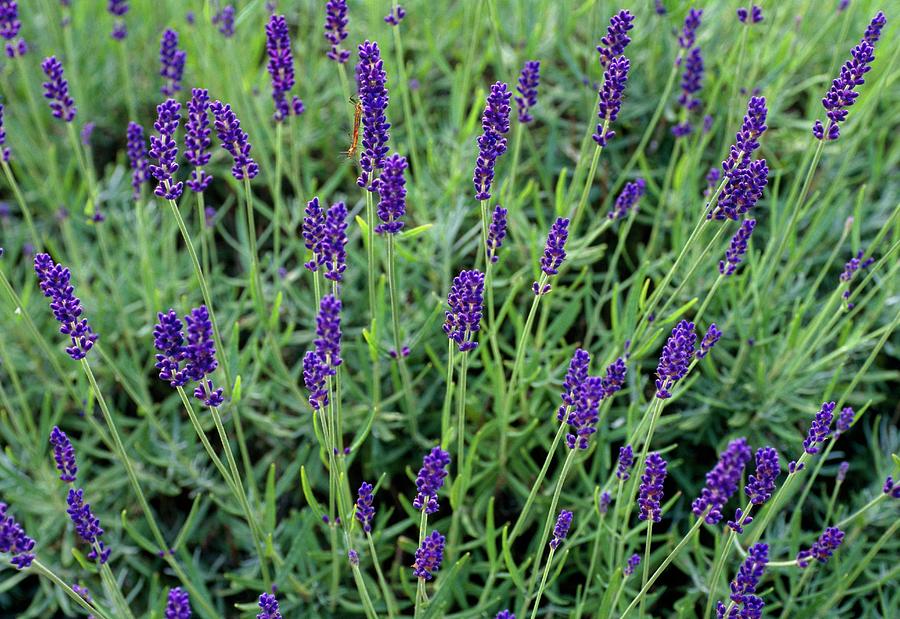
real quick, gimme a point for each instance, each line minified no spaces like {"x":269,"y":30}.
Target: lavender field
{"x":478,"y":309}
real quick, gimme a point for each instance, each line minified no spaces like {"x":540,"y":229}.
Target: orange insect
{"x":354,"y":135}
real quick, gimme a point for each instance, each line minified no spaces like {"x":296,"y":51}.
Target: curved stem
{"x":537,"y":482}
{"x":45,"y":571}
{"x":23,"y":206}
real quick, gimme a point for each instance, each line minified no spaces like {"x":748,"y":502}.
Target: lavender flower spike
{"x":365,"y":513}
{"x":373,"y":95}
{"x":842,"y":94}
{"x":709,"y":340}
{"x":313,"y":230}
{"x":56,"y":90}
{"x":430,"y":480}
{"x":64,"y":454}
{"x":585,"y":415}
{"x":554,"y":253}
{"x":171,"y":60}
{"x":4,"y":150}
{"x":196,"y":139}
{"x":9,"y":28}
{"x":315,"y":375}
{"x":234,"y":140}
{"x":14,"y":541}
{"x":615,"y":377}
{"x":491,"y":143}
{"x":691,"y":83}
{"x":200,"y":356}
{"x":737,"y":248}
{"x":168,"y":339}
{"x":743,"y":587}
{"x":845,"y":421}
{"x":137,"y":158}
{"x":269,"y":607}
{"x":395,"y":16}
{"x":505,"y":614}
{"x":628,"y":199}
{"x":496,"y":232}
{"x":750,"y":16}
{"x":178,"y":604}
{"x":392,"y":195}
{"x":328,"y":333}
{"x":823,"y":548}
{"x":616,"y":39}
{"x":224,"y":18}
{"x":334,"y":240}
{"x":890,"y":487}
{"x":561,"y":529}
{"x":572,"y":384}
{"x":164,"y":150}
{"x":633,"y":561}
{"x":651,"y":488}
{"x":761,"y":484}
{"x":54,"y":282}
{"x":722,"y":481}
{"x":689,"y":31}
{"x":614,"y":80}
{"x":675,"y":358}
{"x":463,"y":319}
{"x":336,"y":29}
{"x":429,"y":556}
{"x":819,"y":429}
{"x":626,"y":460}
{"x":529,"y":80}
{"x":87,"y":525}
{"x":281,"y":64}
{"x":118,"y":8}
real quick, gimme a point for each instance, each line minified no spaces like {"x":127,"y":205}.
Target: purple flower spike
{"x":842,"y":472}
{"x":334,"y":240}
{"x":200,"y":356}
{"x":491,"y":143}
{"x":616,"y":39}
{"x":614,"y":80}
{"x":842,"y":94}
{"x":890,"y":487}
{"x":675,"y":358}
{"x":395,"y":16}
{"x":722,"y":481}
{"x":9,"y":28}
{"x":463,"y":320}
{"x":281,"y":64}
{"x":315,"y":375}
{"x":819,"y":429}
{"x":761,"y":485}
{"x":709,"y":340}
{"x":554,"y":253}
{"x":823,"y":548}
{"x":313,"y":230}
{"x":86,"y":525}
{"x":224,"y":18}
{"x":605,"y":500}
{"x":853,"y":265}
{"x":171,"y":60}
{"x":336,"y":29}
{"x":429,"y":556}
{"x":625,"y":462}
{"x":168,"y":339}
{"x":137,"y":158}
{"x":505,"y":614}
{"x":234,"y":140}
{"x":392,"y":195}
{"x":561,"y":529}
{"x":196,"y":139}
{"x":365,"y":513}
{"x":747,"y":139}
{"x":529,"y":80}
{"x":740,"y":521}
{"x":576,"y":375}
{"x":633,"y":562}
{"x":628,"y":199}
{"x":691,"y":83}
{"x":743,"y":587}
{"x":4,"y":150}
{"x":689,"y":31}
{"x":651,"y":488}
{"x":615,"y":377}
{"x":178,"y":604}
{"x":737,"y":248}
{"x":845,"y":420}
{"x":14,"y":541}
{"x":328,"y":332}
{"x":64,"y":454}
{"x":430,"y":480}
{"x":118,"y":8}
{"x":164,"y":150}
{"x":269,"y":607}
{"x":54,"y":280}
{"x":496,"y":232}
{"x":585,"y":415}
{"x":373,"y":95}
{"x":753,"y":15}
{"x":56,"y":90}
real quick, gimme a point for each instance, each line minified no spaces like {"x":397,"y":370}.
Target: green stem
{"x":385,"y":590}
{"x":646,"y":570}
{"x":370,"y":255}
{"x":520,"y":521}
{"x":279,"y":130}
{"x":256,"y":290}
{"x":448,"y":399}
{"x":113,"y":587}
{"x":45,"y":571}
{"x":585,"y":192}
{"x":407,"y":102}
{"x":540,"y":591}
{"x":719,"y":563}
{"x":23,"y":206}
{"x":795,"y":592}
{"x":24,"y":74}
{"x":395,"y":323}
{"x":709,"y":296}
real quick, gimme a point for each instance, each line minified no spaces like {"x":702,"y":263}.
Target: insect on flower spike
{"x":354,"y":131}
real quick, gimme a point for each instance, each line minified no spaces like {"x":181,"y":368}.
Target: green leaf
{"x":507,"y":558}
{"x":414,"y":232}
{"x":448,"y":584}
{"x":270,"y":500}
{"x":308,"y":494}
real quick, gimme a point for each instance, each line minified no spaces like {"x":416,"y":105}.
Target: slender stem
{"x":370,"y":255}
{"x":709,"y":296}
{"x":540,"y":591}
{"x":395,"y":323}
{"x":760,"y":527}
{"x":279,"y":130}
{"x":646,"y":570}
{"x":722,"y":557}
{"x":517,"y":147}
{"x":407,"y":102}
{"x":24,"y":74}
{"x":113,"y":587}
{"x":585,"y":192}
{"x":23,"y":206}
{"x":126,"y":80}
{"x":45,"y":571}
{"x":843,"y":523}
{"x":461,"y":429}
{"x":385,"y":590}
{"x":201,"y":221}
{"x":198,"y":428}
{"x":520,"y":521}
{"x":448,"y":399}
{"x":255,"y":280}
{"x":796,"y":590}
